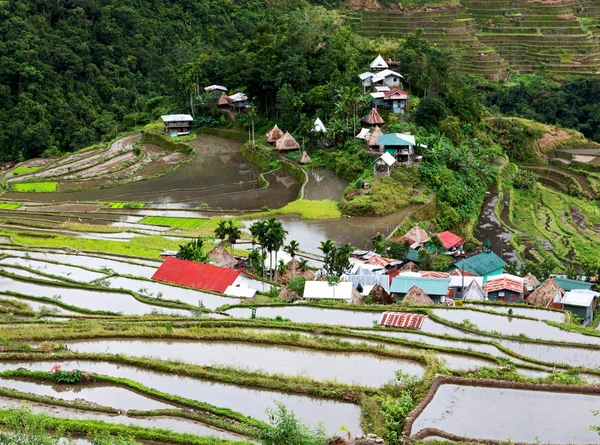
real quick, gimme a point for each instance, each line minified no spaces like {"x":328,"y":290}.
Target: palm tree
{"x":303,"y":265}
{"x":328,"y":249}
{"x":233,"y":234}
{"x":258,"y":230}
{"x":276,"y":237}
{"x":221,"y":231}
{"x":292,"y":249}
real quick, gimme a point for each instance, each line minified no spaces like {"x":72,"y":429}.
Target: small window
{"x":501,"y":293}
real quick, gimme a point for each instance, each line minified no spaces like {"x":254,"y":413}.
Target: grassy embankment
{"x":37,"y":187}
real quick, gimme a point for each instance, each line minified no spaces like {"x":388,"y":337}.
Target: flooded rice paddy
{"x":515,"y":415}
{"x":367,"y":369}
{"x":58,"y":270}
{"x":248,"y":401}
{"x":540,"y":314}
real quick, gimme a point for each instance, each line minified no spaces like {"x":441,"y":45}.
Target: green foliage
{"x":286,"y":429}
{"x":69,"y":377}
{"x":524,"y":179}
{"x":193,"y":251}
{"x":336,"y":258}
{"x":296,"y":285}
{"x":26,"y":428}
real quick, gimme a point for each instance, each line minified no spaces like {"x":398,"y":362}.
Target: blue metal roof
{"x":431,"y":286}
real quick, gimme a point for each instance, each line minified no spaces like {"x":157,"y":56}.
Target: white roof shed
{"x":319,"y":126}
{"x":242,"y":292}
{"x":321,"y":290}
{"x":579,"y":297}
{"x":379,"y":63}
{"x":387,"y":158}
{"x":177,"y":118}
{"x":364,"y":133}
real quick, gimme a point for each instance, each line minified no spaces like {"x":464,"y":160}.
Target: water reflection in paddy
{"x":59,"y":270}
{"x":526,"y":416}
{"x":248,"y":401}
{"x":540,"y":314}
{"x":367,"y":369}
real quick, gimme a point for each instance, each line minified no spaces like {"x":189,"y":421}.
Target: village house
{"x":474,"y":292}
{"x":373,"y":138}
{"x":582,"y":303}
{"x":402,"y":320}
{"x":435,"y":288}
{"x":373,"y":118}
{"x":177,"y":124}
{"x":567,"y":284}
{"x":215,"y":90}
{"x":484,"y":264}
{"x":235,"y":102}
{"x":322,"y":290}
{"x":505,"y":288}
{"x":450,"y":241}
{"x":399,"y":145}
{"x":383,"y":164}
{"x":380,"y":75}
{"x":548,"y":294}
{"x":390,"y":98}
{"x":415,"y":237}
{"x":206,"y":276}
{"x":273,"y":135}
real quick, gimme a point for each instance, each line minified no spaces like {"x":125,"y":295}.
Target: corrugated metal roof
{"x":579,"y":297}
{"x":402,"y":320}
{"x":450,"y":240}
{"x":388,"y":159}
{"x":568,"y":284}
{"x":378,"y":62}
{"x":396,"y":139}
{"x":431,"y":286}
{"x":321,"y":290}
{"x":198,"y":275}
{"x":177,"y":118}
{"x":482,"y":263}
{"x":504,"y":283}
{"x":364,"y":133}
{"x":243,"y":292}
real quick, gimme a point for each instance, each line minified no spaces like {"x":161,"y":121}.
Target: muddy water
{"x":301,"y":314}
{"x":88,"y":299}
{"x":219,"y":174}
{"x":489,"y":225}
{"x":250,"y":402}
{"x":518,"y":415}
{"x":168,"y":423}
{"x":27,"y":274}
{"x":367,"y":369}
{"x":514,"y":326}
{"x":323,"y":184}
{"x":589,"y":358}
{"x":540,"y":314}
{"x":91,"y":262}
{"x":112,"y":396}
{"x":39,"y":307}
{"x":189,"y":296}
{"x":58,"y":270}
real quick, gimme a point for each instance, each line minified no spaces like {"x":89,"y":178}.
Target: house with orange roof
{"x":505,"y":288}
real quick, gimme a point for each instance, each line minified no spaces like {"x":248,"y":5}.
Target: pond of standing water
{"x":323,"y":184}
{"x":514,"y":326}
{"x":87,"y":299}
{"x":367,"y":369}
{"x":112,"y":396}
{"x":248,"y":401}
{"x":515,"y":415}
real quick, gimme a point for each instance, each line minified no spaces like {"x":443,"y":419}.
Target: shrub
{"x":296,"y":285}
{"x":286,"y":429}
{"x":70,"y":377}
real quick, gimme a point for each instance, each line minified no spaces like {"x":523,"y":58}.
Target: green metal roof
{"x":568,"y":284}
{"x":396,"y":139}
{"x":431,"y":286}
{"x":412,"y":255}
{"x":481,"y":264}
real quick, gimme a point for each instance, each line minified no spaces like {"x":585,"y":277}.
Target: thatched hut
{"x":531,"y":282}
{"x":288,"y":295}
{"x":304,"y":159}
{"x":418,"y":296}
{"x":417,"y":235}
{"x":292,"y":269}
{"x":357,"y":298}
{"x":373,"y":118}
{"x":409,"y":267}
{"x":287,"y":142}
{"x":223,"y":100}
{"x":274,"y":135}
{"x":373,"y":139}
{"x":549,"y":292}
{"x":220,"y":257}
{"x":381,"y":296}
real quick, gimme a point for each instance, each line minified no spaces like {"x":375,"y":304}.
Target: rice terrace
{"x":311,"y":222}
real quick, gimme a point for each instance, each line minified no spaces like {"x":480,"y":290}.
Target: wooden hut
{"x":418,"y":296}
{"x":379,"y":294}
{"x":287,"y":143}
{"x":417,"y":235}
{"x":292,"y":270}
{"x":304,"y":159}
{"x":547,"y":294}
{"x":220,"y":257}
{"x":373,"y":118}
{"x":274,"y":135}
{"x":531,"y":282}
{"x":409,"y":267}
{"x":373,"y":139}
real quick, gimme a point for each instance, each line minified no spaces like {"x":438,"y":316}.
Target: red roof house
{"x":402,"y":320}
{"x":198,"y":275}
{"x":450,"y":240}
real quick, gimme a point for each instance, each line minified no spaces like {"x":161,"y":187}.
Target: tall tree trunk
{"x":276,"y":265}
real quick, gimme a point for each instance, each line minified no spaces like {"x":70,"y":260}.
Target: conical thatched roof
{"x":223,"y":99}
{"x":357,"y":298}
{"x":409,"y":267}
{"x":417,"y":296}
{"x":287,"y":142}
{"x":373,"y":138}
{"x":274,"y":135}
{"x":379,"y":294}
{"x":373,"y":118}
{"x":417,"y":234}
{"x":305,"y":158}
{"x":474,"y":292}
{"x":531,"y":281}
{"x":292,"y":269}
{"x":220,"y":257}
{"x":288,"y":295}
{"x":544,"y":295}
